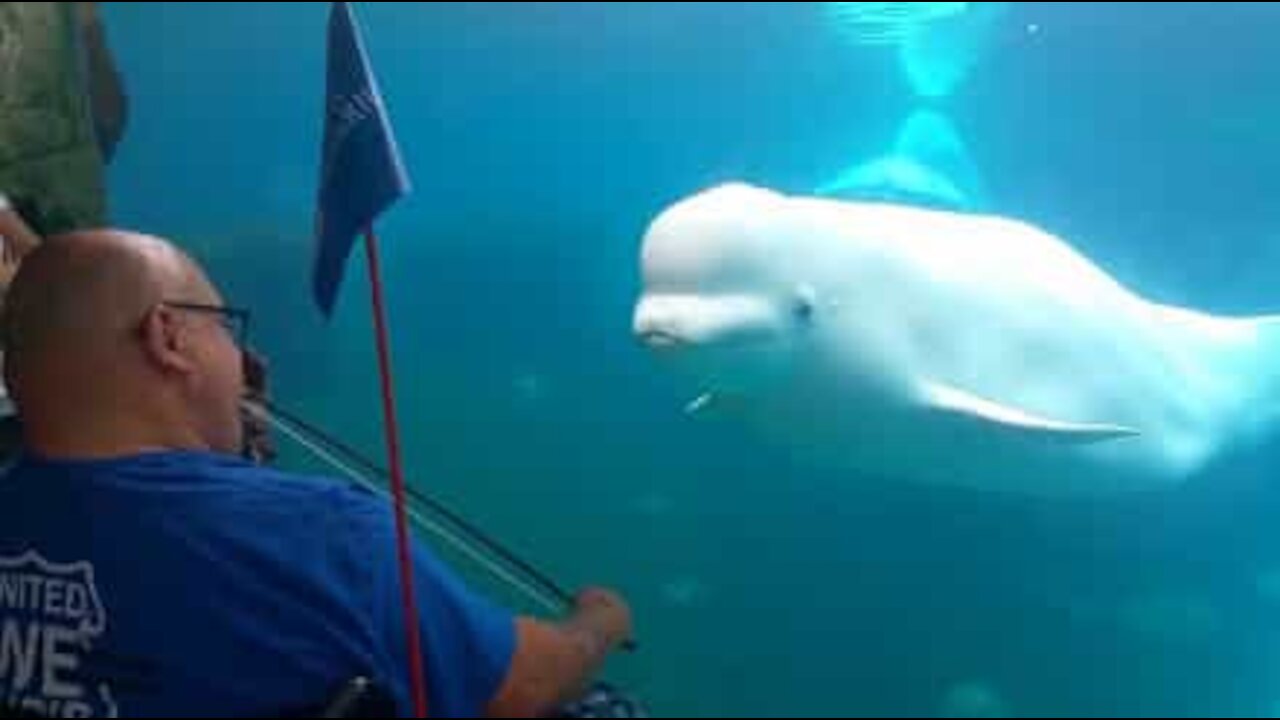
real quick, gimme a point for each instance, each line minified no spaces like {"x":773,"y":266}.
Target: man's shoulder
{"x":177,"y":473}
{"x":289,"y":485}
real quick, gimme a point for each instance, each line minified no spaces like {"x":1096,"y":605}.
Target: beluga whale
{"x":939,"y":346}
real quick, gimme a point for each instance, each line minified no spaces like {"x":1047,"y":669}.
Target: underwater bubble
{"x":685,"y":592}
{"x":1267,"y":584}
{"x":1172,"y":617}
{"x":653,"y":505}
{"x":973,"y":699}
{"x":529,"y":387}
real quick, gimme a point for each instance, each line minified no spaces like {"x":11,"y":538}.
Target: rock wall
{"x":51,"y":138}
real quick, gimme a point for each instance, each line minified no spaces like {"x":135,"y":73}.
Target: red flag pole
{"x":417,"y":676}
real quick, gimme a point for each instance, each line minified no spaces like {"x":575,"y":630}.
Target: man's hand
{"x":555,"y":662}
{"x":604,"y":612}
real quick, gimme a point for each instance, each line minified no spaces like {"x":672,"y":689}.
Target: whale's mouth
{"x":680,"y":321}
{"x":661,"y":339}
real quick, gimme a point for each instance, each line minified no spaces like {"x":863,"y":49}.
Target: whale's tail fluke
{"x":929,"y":165}
{"x":932,"y":139}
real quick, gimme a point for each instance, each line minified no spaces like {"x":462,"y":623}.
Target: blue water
{"x":542,"y":137}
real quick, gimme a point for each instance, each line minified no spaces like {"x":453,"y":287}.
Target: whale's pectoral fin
{"x":970,"y":407}
{"x":712,"y":404}
{"x":700,"y":404}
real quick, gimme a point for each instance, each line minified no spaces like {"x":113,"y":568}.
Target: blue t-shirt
{"x":199,"y":585}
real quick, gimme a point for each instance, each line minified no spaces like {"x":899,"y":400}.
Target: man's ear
{"x":165,"y":340}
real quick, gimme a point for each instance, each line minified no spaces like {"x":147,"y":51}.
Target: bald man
{"x":147,"y":570}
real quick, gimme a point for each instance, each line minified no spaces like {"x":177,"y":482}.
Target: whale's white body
{"x":944,"y":347}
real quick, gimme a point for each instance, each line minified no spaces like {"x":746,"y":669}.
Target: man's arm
{"x":483,"y":660}
{"x":554,"y":662}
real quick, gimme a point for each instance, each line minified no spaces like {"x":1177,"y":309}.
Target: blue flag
{"x":361,"y":173}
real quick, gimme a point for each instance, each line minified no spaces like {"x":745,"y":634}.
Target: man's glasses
{"x":235,"y":320}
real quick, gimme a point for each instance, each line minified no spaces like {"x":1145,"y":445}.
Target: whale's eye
{"x":802,"y":304}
